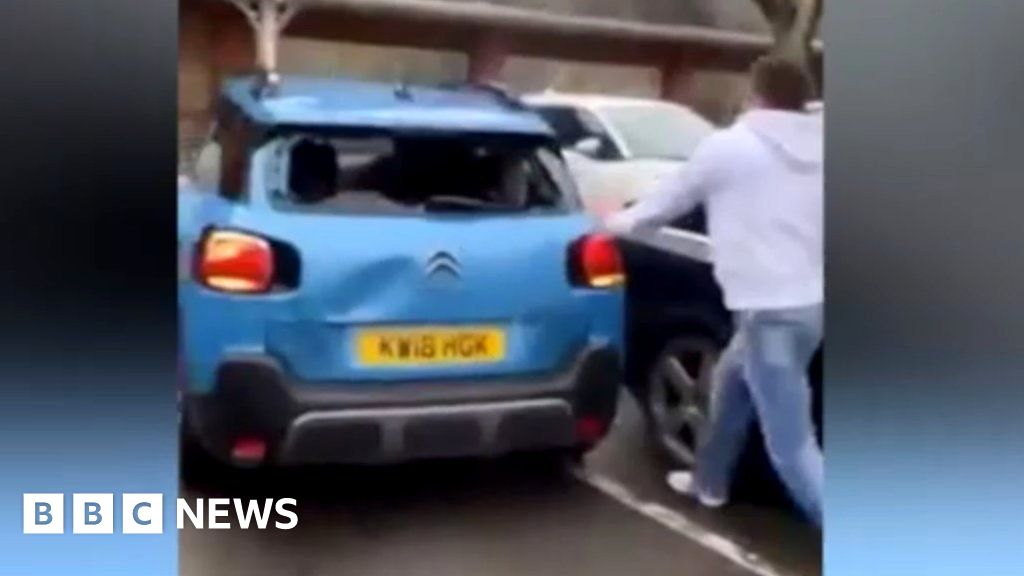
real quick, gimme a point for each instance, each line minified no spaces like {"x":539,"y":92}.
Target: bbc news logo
{"x":144,"y":513}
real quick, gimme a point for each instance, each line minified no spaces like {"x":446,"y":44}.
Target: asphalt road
{"x":612,"y":516}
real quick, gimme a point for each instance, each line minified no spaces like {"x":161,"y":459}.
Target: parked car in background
{"x":378,"y":273}
{"x":618,"y":147}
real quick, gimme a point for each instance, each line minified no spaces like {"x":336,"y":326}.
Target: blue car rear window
{"x":394,"y":174}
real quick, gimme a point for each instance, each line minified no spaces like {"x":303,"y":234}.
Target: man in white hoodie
{"x":762,"y":186}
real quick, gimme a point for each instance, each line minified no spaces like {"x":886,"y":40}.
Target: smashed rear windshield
{"x":421,"y":173}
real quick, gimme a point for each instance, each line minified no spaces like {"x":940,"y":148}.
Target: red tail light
{"x":235,"y":262}
{"x":249,"y":449}
{"x":590,"y":430}
{"x":595,"y":262}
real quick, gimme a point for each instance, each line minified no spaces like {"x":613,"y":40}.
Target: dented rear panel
{"x":363,"y":276}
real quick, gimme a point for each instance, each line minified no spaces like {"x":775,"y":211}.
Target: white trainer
{"x":683,"y":483}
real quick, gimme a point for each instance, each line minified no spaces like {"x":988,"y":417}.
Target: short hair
{"x":781,"y":83}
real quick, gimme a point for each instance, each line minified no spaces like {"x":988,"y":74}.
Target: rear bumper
{"x":370,"y":422}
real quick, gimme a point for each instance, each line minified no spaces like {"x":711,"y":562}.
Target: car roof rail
{"x":402,"y":90}
{"x":266,"y":83}
{"x":502,"y":92}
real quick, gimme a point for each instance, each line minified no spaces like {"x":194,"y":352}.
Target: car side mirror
{"x":589,"y":147}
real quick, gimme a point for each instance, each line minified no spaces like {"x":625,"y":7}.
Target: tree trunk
{"x":796,"y":42}
{"x":266,"y":30}
{"x":794,"y":24}
{"x":267,"y":18}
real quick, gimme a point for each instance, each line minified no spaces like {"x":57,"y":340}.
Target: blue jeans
{"x":763,"y":371}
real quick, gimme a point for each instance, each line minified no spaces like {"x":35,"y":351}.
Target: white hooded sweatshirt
{"x":762,"y":183}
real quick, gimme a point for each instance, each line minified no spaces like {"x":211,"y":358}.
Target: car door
{"x":671,"y":286}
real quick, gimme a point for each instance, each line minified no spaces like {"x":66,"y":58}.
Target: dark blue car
{"x":677,"y":325}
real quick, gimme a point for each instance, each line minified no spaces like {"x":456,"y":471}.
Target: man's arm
{"x":674,"y":196}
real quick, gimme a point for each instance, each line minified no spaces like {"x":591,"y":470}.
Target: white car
{"x":618,"y":148}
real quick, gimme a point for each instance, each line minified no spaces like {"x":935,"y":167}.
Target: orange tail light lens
{"x":595,"y":262}
{"x":232,"y":261}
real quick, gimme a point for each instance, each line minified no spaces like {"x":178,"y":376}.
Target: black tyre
{"x":676,"y":396}
{"x":676,"y":402}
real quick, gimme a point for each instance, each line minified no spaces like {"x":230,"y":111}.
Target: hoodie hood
{"x":796,"y":137}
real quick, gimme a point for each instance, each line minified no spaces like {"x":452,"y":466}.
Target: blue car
{"x":374,"y":273}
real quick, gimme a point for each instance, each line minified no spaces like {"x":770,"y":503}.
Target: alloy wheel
{"x":679,"y":394}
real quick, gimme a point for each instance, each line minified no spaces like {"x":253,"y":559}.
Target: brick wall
{"x":195,"y":80}
{"x":212,"y":46}
{"x":208,"y":48}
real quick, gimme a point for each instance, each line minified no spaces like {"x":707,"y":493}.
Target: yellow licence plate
{"x":430,"y":345}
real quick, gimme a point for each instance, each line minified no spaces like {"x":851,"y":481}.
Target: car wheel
{"x":677,"y":396}
{"x":676,"y":403}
